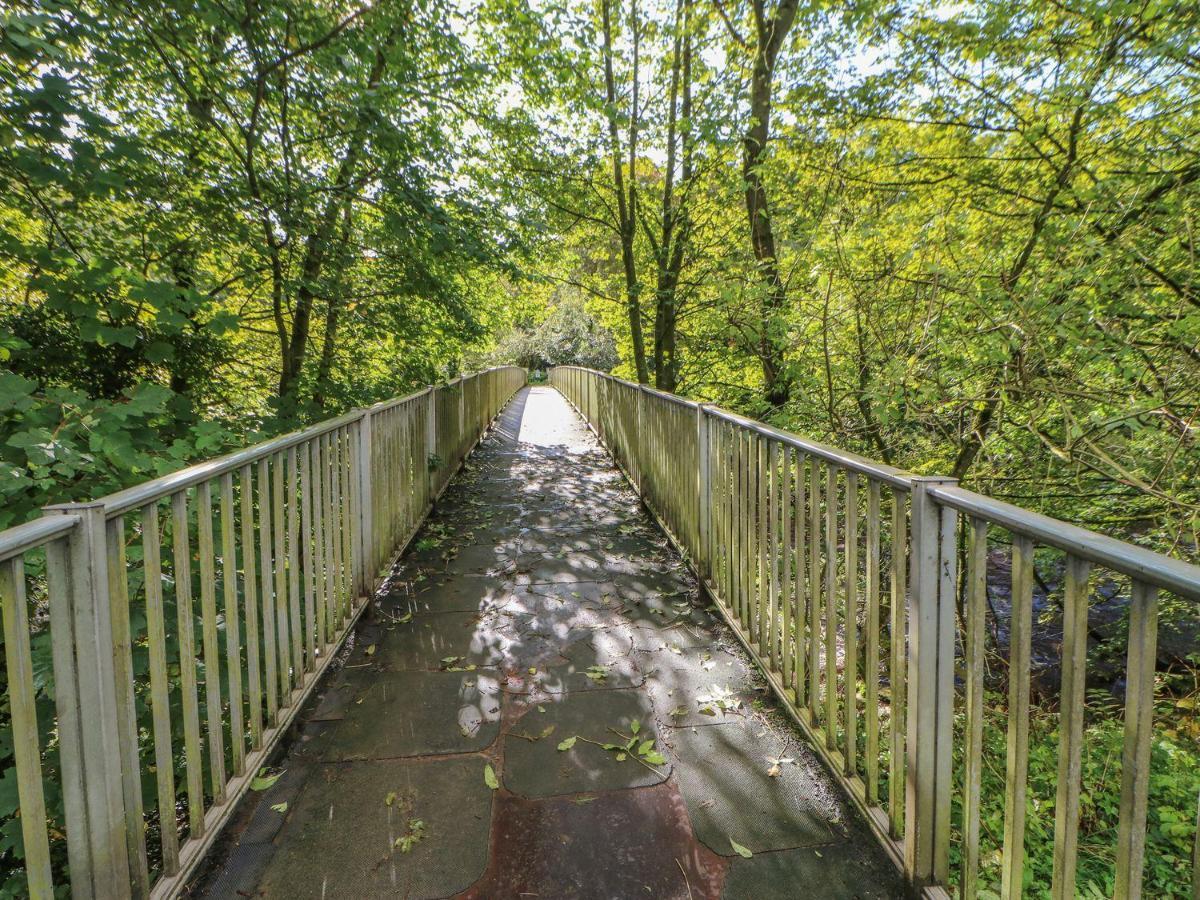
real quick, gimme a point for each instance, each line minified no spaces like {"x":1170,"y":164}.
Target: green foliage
{"x":568,"y":336}
{"x":1174,"y":786}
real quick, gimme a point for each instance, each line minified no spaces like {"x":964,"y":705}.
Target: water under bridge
{"x":582,"y":640}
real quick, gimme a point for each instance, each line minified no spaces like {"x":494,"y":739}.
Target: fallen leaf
{"x":568,"y":743}
{"x":489,"y":777}
{"x":370,"y":651}
{"x":739,"y":849}
{"x":280,"y":808}
{"x":389,"y":799}
{"x":262,"y":781}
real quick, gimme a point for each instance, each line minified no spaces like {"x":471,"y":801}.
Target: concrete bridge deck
{"x":545,"y":707}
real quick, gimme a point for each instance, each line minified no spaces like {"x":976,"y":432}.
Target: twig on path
{"x":686,"y":883}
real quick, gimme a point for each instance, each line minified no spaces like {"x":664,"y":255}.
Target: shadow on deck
{"x":538,"y":605}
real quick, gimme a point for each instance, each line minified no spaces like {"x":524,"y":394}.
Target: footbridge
{"x":578,"y":640}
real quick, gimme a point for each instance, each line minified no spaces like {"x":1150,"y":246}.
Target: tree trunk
{"x":675,"y":222}
{"x":773,"y":339}
{"x":317,"y":244}
{"x":626,"y":206}
{"x":333,"y":307}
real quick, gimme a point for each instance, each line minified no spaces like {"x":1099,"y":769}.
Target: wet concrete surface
{"x":540,"y":609}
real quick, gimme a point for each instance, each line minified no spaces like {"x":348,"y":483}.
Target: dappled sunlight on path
{"x":545,"y":706}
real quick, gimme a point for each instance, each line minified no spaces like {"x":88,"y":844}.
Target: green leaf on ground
{"x":739,"y":849}
{"x":264,"y":780}
{"x":415,"y":832}
{"x":489,"y":777}
{"x":567,"y":744}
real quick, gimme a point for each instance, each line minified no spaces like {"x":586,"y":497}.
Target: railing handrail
{"x":20,"y":538}
{"x":894,"y":477}
{"x":139,"y":495}
{"x":1166,"y":572}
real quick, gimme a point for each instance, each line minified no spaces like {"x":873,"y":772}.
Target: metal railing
{"x":841,"y":576}
{"x":281,"y":543}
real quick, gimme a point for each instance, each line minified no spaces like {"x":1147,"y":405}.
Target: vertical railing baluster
{"x":347,"y":531}
{"x":213,"y":713}
{"x":233,"y":636}
{"x":786,"y":593}
{"x":803,"y":622}
{"x":295,"y":622}
{"x":766,"y":611}
{"x":973,"y":662}
{"x":850,"y":629}
{"x":266,"y":576}
{"x":182,"y":571}
{"x":335,"y":530}
{"x":329,"y":537}
{"x":1135,"y":754}
{"x":318,"y":543}
{"x":279,"y":537}
{"x":307,"y":531}
{"x":369,"y":564}
{"x":1017,"y":752}
{"x":704,"y":494}
{"x":831,"y":606}
{"x":127,"y":730}
{"x":761,"y":549}
{"x":1072,"y":704}
{"x":743,"y":550}
{"x":22,"y":703}
{"x":814,"y":589}
{"x":254,"y":688}
{"x":897,"y":664}
{"x":871,"y":626}
{"x":160,"y":708}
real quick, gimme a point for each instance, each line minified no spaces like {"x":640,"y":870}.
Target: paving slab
{"x":537,"y":768}
{"x":836,"y":872}
{"x":340,"y":838}
{"x":397,"y":714}
{"x":723,"y":776}
{"x":648,"y":850}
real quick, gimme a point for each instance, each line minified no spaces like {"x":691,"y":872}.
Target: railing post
{"x":703,"y":492}
{"x":638,"y":443}
{"x":431,"y":447}
{"x":366,"y":514}
{"x":462,"y":413}
{"x":932,"y":579}
{"x":81,"y":640}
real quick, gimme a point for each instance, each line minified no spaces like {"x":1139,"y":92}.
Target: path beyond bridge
{"x":545,"y":706}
